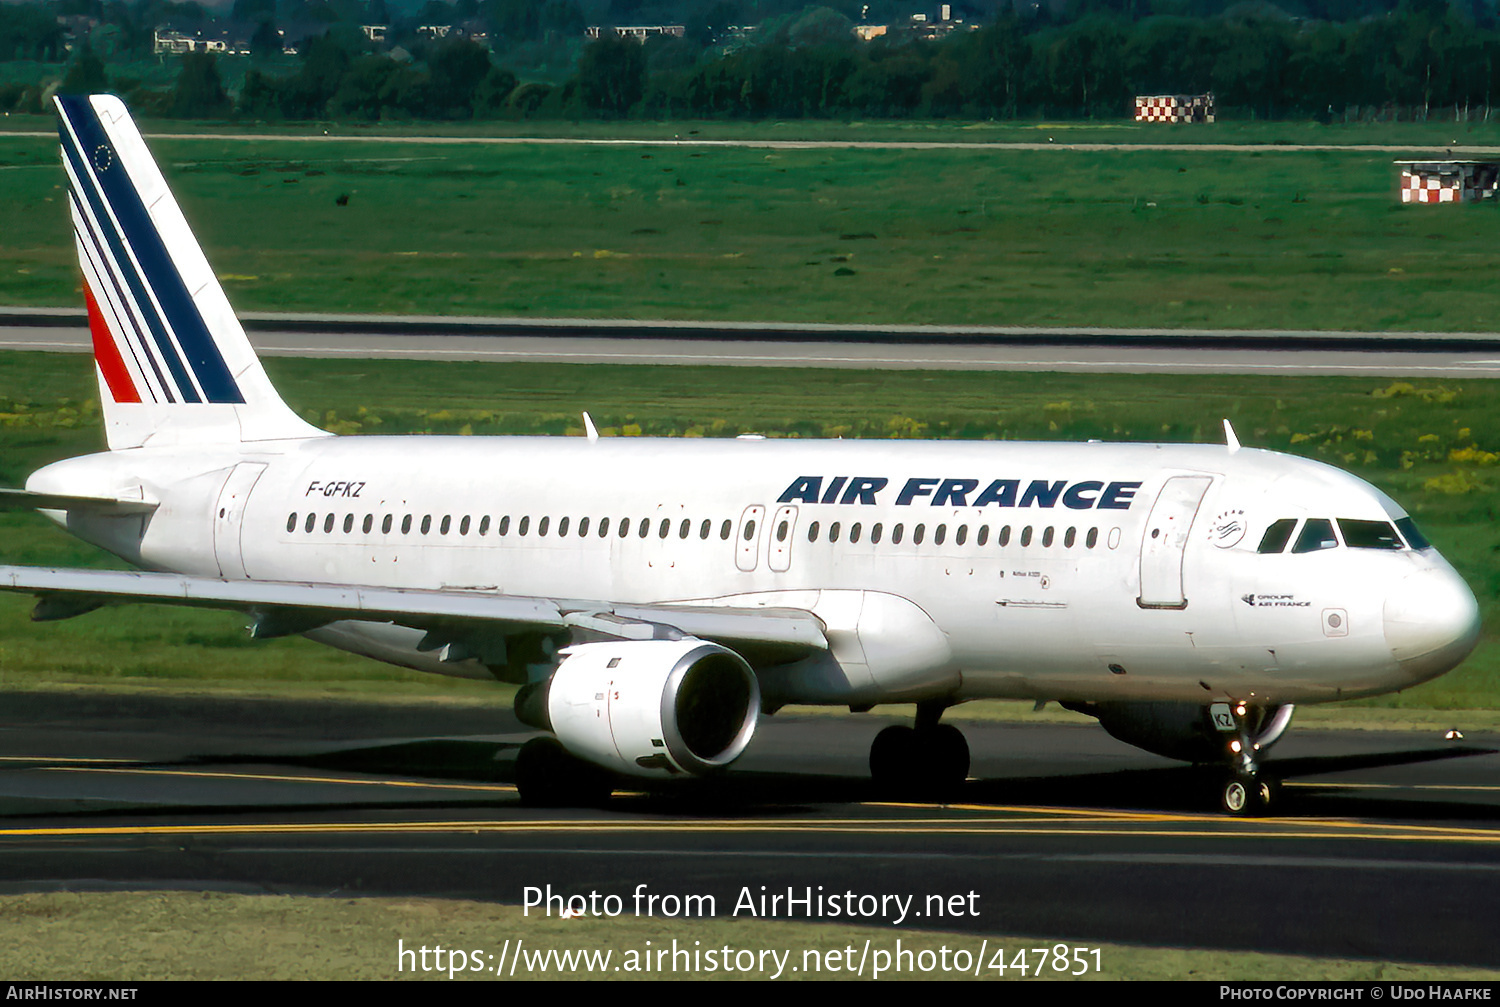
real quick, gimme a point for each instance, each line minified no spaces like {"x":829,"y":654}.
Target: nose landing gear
{"x":1246,"y":730}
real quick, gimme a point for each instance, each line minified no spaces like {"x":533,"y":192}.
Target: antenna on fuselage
{"x":592,"y":432}
{"x":1229,"y":437}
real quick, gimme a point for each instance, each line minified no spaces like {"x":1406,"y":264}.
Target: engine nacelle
{"x":1182,"y":730}
{"x":650,"y":708}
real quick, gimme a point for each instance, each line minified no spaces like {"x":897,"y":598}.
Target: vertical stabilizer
{"x":173,"y":361}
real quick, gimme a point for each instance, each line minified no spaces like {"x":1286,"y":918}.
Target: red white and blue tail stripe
{"x":174,"y":364}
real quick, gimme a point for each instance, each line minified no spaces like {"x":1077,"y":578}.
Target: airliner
{"x":653,"y":598}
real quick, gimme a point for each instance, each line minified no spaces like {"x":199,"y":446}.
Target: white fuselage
{"x":959,"y":569}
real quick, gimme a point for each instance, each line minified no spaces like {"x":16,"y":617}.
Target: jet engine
{"x":652,"y":708}
{"x":1182,"y":730}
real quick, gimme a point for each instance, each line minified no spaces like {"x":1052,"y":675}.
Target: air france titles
{"x":1088,"y":494}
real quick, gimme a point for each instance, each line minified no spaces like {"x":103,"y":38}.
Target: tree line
{"x":1418,"y":59}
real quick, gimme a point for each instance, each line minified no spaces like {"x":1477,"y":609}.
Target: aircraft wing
{"x":450,"y":616}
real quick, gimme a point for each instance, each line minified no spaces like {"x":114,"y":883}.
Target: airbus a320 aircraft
{"x":654,"y":597}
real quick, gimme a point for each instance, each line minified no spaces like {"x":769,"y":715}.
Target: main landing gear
{"x":929,"y":760}
{"x":1245,"y":790}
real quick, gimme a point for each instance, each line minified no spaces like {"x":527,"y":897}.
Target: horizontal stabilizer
{"x":11,"y":500}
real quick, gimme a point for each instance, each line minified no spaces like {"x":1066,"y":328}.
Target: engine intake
{"x":648,"y":707}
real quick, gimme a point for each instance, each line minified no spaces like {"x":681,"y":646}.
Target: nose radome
{"x":1431,"y":622}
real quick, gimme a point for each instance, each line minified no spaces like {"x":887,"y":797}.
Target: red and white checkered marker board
{"x":1429,"y":188}
{"x":1173,"y":108}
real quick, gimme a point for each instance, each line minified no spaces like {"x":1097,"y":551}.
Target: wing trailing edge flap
{"x":451,"y":617}
{"x":14,"y":499}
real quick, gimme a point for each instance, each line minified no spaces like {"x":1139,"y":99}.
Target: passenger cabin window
{"x":291,"y":522}
{"x":812,"y":532}
{"x":1277,"y":536}
{"x":369,"y":523}
{"x":348,"y":523}
{"x":854,"y":532}
{"x":562,"y":527}
{"x":1317,"y":534}
{"x":385,"y":524}
{"x":1368,"y":534}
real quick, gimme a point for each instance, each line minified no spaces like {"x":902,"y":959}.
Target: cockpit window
{"x":1414,"y":538}
{"x":1368,"y":534}
{"x":1317,"y":534}
{"x":1276,"y":536}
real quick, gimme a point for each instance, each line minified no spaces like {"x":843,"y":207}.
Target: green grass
{"x":128,"y":937}
{"x":1136,"y":238}
{"x":1434,"y":447}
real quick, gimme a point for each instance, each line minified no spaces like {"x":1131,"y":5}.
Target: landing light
{"x":1234,"y":746}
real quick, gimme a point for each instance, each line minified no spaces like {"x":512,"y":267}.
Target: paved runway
{"x":1429,"y":355}
{"x":1387,"y":846}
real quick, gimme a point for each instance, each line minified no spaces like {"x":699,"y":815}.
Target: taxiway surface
{"x":584,"y":341}
{"x":1386,"y":847}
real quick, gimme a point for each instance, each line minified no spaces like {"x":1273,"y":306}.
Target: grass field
{"x":1434,"y":448}
{"x":1135,"y":238}
{"x":177,"y":935}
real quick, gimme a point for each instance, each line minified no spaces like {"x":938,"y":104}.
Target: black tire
{"x":547,"y":776}
{"x":947,"y":755}
{"x":1246,"y":796}
{"x":1234,"y":797}
{"x":891,"y":757}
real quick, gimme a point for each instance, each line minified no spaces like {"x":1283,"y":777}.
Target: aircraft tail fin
{"x":173,"y":362}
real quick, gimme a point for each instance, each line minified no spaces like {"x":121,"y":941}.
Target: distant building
{"x":375,"y":32}
{"x":1448,"y":181}
{"x":1174,"y":108}
{"x":232,"y":40}
{"x":639,"y":32}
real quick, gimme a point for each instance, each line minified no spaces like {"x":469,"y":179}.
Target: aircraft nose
{"x":1431,"y":622}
